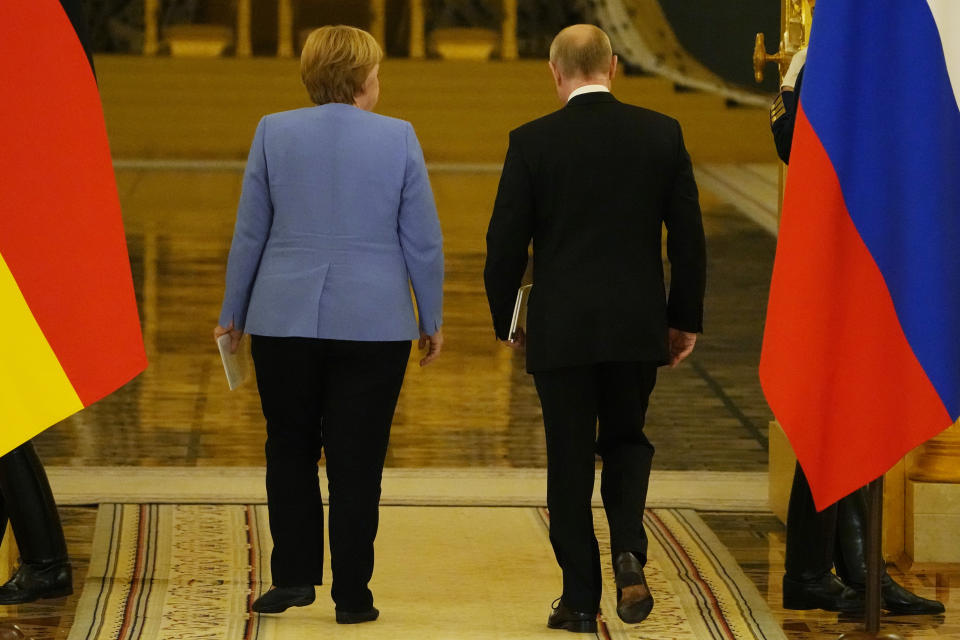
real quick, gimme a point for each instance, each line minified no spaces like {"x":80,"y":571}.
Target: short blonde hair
{"x":581,"y":50}
{"x":336,"y":61}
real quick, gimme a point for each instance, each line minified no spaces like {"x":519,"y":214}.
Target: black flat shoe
{"x":356,"y":617}
{"x":32,"y":582}
{"x":827,"y":592}
{"x":566,"y":618}
{"x":279,"y":599}
{"x":634,"y":600}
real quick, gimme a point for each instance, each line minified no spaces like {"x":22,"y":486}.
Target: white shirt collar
{"x":587,"y":88}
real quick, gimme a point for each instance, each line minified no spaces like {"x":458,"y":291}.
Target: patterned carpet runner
{"x":186,"y":572}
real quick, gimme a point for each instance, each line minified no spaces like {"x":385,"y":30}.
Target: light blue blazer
{"x":336,"y":221}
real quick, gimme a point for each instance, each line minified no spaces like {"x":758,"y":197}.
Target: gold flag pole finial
{"x":761,"y":58}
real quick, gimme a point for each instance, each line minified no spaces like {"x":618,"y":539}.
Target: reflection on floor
{"x":757,"y":543}
{"x":475,"y":407}
{"x":755,"y":540}
{"x":48,"y":619}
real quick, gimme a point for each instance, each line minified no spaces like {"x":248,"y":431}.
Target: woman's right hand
{"x":235,"y":335}
{"x":433,"y":344}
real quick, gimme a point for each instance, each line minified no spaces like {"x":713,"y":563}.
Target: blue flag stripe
{"x":877,"y":92}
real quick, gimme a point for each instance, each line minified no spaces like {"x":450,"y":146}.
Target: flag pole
{"x":874,"y":568}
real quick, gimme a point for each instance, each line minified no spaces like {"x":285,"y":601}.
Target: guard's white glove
{"x":796,"y":64}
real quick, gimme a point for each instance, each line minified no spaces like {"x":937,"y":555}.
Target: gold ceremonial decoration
{"x":508,"y":29}
{"x":286,"y":13}
{"x":761,"y":58}
{"x":796,"y":18}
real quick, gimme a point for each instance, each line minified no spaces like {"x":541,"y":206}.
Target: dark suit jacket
{"x":782,"y":116}
{"x":592,"y":185}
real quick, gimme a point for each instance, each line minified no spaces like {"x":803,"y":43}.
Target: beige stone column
{"x":508,"y":37}
{"x":938,"y":460}
{"x":933,"y":500}
{"x":378,"y":22}
{"x":418,"y":48}
{"x":151,"y":30}
{"x":781,"y":464}
{"x":284,"y":28}
{"x":244,"y":37}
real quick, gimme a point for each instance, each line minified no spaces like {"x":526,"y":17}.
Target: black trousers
{"x":335,"y":398}
{"x":575,"y":400}
{"x":811,"y":535}
{"x":26,"y":499}
{"x":834,"y":538}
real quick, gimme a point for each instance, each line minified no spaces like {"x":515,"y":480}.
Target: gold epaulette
{"x":777,"y":110}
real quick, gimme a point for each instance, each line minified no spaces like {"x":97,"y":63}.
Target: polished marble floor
{"x":757,"y":542}
{"x":475,"y":407}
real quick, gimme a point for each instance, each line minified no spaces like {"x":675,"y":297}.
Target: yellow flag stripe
{"x":35,"y":393}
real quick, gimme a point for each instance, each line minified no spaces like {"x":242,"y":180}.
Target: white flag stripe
{"x":946,"y":13}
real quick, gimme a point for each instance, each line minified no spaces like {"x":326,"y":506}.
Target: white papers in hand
{"x":233,"y":365}
{"x":520,"y":312}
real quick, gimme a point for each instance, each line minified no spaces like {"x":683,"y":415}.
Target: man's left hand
{"x":519,"y":341}
{"x":681,"y":345}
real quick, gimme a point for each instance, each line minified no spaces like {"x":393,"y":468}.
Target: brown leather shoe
{"x":634,"y":600}
{"x":564,"y":617}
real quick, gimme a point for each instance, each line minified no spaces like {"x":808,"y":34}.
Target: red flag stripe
{"x":61,"y":232}
{"x":836,"y":363}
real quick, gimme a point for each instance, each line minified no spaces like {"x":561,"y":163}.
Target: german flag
{"x":69,"y":329}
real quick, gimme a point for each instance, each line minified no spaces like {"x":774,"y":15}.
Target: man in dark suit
{"x":592,"y":185}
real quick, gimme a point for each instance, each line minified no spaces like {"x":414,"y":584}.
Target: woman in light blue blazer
{"x":336,"y":221}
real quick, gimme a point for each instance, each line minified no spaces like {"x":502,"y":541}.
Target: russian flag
{"x":861,"y":351}
{"x":69,"y":328}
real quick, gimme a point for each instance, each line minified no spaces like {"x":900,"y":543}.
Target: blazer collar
{"x":594,"y":97}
